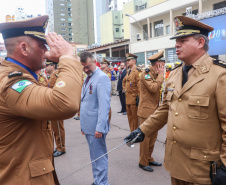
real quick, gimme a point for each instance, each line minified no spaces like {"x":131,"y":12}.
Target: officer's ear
{"x":201,"y":41}
{"x":23,"y":48}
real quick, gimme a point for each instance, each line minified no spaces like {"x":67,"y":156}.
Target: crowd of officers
{"x":33,"y":106}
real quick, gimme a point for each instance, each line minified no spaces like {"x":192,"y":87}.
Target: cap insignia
{"x":178,"y":23}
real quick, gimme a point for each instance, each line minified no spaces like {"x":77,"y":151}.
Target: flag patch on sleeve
{"x":21,"y":85}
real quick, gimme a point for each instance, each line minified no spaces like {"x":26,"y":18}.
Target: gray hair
{"x":206,"y":45}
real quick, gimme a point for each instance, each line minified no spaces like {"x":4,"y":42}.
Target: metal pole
{"x":139,"y":25}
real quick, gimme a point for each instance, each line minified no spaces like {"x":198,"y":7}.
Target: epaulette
{"x":15,"y":73}
{"x":139,"y":69}
{"x":177,"y":66}
{"x":219,"y":63}
{"x":147,"y":70}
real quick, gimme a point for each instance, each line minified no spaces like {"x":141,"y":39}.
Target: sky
{"x":8,"y":7}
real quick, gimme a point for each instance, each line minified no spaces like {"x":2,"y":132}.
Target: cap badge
{"x":178,"y":23}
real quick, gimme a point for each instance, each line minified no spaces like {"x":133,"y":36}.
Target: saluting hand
{"x":98,"y":134}
{"x":160,"y":69}
{"x":58,"y":47}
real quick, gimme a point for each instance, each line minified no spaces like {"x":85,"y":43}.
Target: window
{"x":116,"y":17}
{"x":167,"y":29}
{"x":158,"y":28}
{"x":62,"y":9}
{"x":195,"y":12}
{"x":141,"y":58}
{"x":117,"y":29}
{"x":219,"y":5}
{"x":62,"y":14}
{"x":170,"y":55}
{"x":69,"y":24}
{"x":69,"y":9}
{"x":122,"y":30}
{"x":63,"y":34}
{"x":145,"y":31}
{"x":141,"y":7}
{"x":70,"y":34}
{"x":63,"y":29}
{"x":70,"y":29}
{"x":69,"y":14}
{"x":115,"y":6}
{"x":122,"y":16}
{"x":69,"y":19}
{"x":62,"y":24}
{"x":61,"y":4}
{"x":70,"y":39}
{"x":62,"y":19}
{"x":69,"y":4}
{"x":61,"y":0}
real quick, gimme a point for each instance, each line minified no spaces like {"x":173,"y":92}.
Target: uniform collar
{"x":23,"y":66}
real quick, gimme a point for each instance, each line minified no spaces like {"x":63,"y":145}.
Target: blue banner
{"x":218,"y":36}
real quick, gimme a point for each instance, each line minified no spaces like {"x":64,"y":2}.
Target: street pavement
{"x":123,"y":162}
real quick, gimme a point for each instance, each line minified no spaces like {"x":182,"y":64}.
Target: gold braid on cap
{"x":186,"y":32}
{"x":35,"y":33}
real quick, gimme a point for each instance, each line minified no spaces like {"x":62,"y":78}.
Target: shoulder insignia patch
{"x":21,"y":85}
{"x":15,"y":73}
{"x":147,"y":70}
{"x":60,"y":84}
{"x":147,"y":77}
{"x":177,"y":66}
{"x":219,"y":63}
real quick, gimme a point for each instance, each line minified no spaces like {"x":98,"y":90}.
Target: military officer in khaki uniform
{"x":131,"y":88}
{"x":150,"y":85}
{"x":104,"y":67}
{"x":41,"y":78}
{"x":57,"y":125}
{"x":194,"y":108}
{"x":26,"y":142}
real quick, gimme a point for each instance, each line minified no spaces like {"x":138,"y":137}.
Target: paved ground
{"x":123,"y":162}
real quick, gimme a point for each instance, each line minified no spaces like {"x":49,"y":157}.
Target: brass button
{"x":179,"y":100}
{"x":176,"y":114}
{"x":174,"y":128}
{"x":174,"y":142}
{"x":198,"y":101}
{"x":205,"y":156}
{"x":44,"y":169}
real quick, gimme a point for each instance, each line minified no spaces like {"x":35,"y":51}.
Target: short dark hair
{"x":153,"y":62}
{"x":84,"y":56}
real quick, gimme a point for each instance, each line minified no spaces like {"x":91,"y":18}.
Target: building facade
{"x":72,"y":19}
{"x":158,"y":24}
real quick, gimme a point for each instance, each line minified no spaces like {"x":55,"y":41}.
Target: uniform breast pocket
{"x":198,"y":107}
{"x":41,"y":171}
{"x":169,"y":97}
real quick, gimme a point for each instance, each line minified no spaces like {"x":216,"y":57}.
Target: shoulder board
{"x":147,"y":70}
{"x":219,"y":63}
{"x":15,"y":73}
{"x":177,"y":66}
{"x":139,"y":69}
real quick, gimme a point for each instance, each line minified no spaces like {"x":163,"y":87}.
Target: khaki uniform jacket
{"x":150,"y":85}
{"x":131,"y":85}
{"x":196,"y":117}
{"x":52,"y":79}
{"x":42,"y":79}
{"x":26,"y":142}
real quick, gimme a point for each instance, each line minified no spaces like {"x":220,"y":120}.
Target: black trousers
{"x":122,"y":98}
